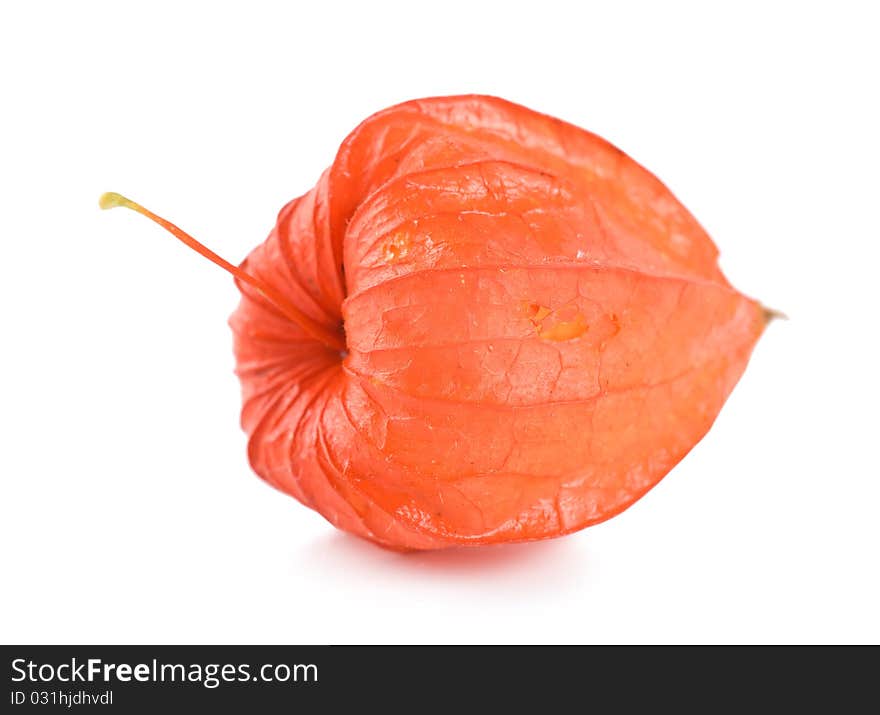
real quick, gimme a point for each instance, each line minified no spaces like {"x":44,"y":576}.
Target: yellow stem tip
{"x":111,"y":199}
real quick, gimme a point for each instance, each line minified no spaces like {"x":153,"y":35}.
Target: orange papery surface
{"x":482,"y":325}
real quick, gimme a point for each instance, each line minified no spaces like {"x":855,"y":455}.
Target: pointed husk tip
{"x":770,"y":315}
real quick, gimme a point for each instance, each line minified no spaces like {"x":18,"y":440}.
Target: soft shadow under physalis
{"x":535,"y":566}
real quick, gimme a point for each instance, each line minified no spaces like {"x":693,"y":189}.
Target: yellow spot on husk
{"x":565,"y":329}
{"x":397,"y":247}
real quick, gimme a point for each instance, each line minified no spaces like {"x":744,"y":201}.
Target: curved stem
{"x":315,"y":330}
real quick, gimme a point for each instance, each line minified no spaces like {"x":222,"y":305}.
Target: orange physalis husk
{"x":483,"y":325}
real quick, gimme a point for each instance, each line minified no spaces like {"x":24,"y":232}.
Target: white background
{"x":129,"y":512}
